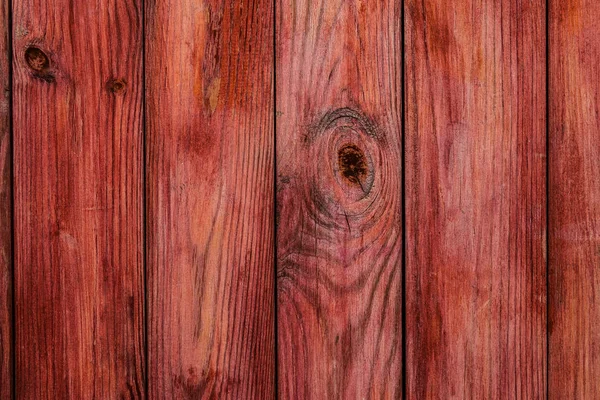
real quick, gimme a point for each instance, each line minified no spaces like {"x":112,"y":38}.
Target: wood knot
{"x":345,"y":147}
{"x":36,"y":59}
{"x":352,"y":164}
{"x":116,"y":86}
{"x":39,"y":63}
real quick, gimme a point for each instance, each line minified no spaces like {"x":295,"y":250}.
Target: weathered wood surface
{"x":475,"y":199}
{"x":210,"y":155}
{"x":339,"y":213}
{"x":6,"y":334}
{"x":78,"y":199}
{"x":98,"y":183}
{"x":574,"y":200}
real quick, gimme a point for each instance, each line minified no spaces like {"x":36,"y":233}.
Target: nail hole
{"x":116,"y":85}
{"x":352,"y":164}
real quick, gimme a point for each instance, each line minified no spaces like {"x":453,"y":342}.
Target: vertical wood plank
{"x":475,"y":199}
{"x":210,"y":198}
{"x":574,"y":200}
{"x":339,"y":199}
{"x":78,"y":199}
{"x":6,"y":257}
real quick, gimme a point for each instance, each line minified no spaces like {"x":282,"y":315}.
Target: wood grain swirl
{"x":339,"y":199}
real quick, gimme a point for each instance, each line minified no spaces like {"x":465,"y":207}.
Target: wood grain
{"x":6,"y":258}
{"x":210,"y":141}
{"x":339,"y":210}
{"x":475,"y":199}
{"x":78,"y":161}
{"x":574,"y":201}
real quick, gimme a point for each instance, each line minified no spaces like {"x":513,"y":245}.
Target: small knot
{"x":352,"y":164}
{"x":36,"y":59}
{"x":116,"y":86}
{"x":39,"y":63}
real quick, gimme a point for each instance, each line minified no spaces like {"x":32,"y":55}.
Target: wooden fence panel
{"x":339,"y":198}
{"x":78,"y":199}
{"x":475,"y":199}
{"x":210,"y":155}
{"x":574,"y":200}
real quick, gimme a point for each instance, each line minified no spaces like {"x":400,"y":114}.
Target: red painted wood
{"x":339,"y":199}
{"x":475,"y":199}
{"x":78,"y":199}
{"x":574,"y":207}
{"x":6,"y":257}
{"x":210,"y":140}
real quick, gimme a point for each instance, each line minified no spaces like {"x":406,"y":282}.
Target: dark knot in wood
{"x":39,"y":63}
{"x":350,"y":140}
{"x":345,"y":150}
{"x":36,"y":59}
{"x":116,"y":86}
{"x":352,"y":164}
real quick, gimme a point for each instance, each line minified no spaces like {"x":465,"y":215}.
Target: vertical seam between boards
{"x":547,"y":166}
{"x":11,"y":157}
{"x":144,"y":204}
{"x":274,"y":110}
{"x":403,"y":202}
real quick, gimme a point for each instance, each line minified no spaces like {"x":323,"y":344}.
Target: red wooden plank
{"x":475,"y":199}
{"x":339,"y":199}
{"x":574,"y":201}
{"x":210,"y":199}
{"x":5,"y":213}
{"x":78,"y":199}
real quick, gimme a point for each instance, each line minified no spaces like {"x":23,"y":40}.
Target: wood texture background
{"x":210,"y":144}
{"x":339,"y":127}
{"x":77,"y":125}
{"x":574,"y":200}
{"x":475,"y":199}
{"x":6,"y":257}
{"x":299,"y":199}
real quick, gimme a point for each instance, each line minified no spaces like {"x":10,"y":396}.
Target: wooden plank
{"x":475,"y":199}
{"x":574,"y":200}
{"x":78,"y":199}
{"x":6,"y":258}
{"x":210,"y":199}
{"x":339,"y":210}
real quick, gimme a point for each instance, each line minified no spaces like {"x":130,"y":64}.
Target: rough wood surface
{"x":6,"y":372}
{"x":78,"y":199}
{"x":339,"y":199}
{"x":574,"y":201}
{"x":210,"y":141}
{"x":475,"y":199}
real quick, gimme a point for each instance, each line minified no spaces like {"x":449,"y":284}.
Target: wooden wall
{"x":299,"y":199}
